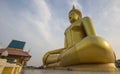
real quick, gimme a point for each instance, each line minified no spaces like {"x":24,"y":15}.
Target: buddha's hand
{"x":45,"y":57}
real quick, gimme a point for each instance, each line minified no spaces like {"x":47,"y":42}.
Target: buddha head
{"x":74,"y":15}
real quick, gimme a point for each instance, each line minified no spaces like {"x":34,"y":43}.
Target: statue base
{"x":109,"y":67}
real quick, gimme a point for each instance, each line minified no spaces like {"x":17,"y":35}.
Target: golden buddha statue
{"x":82,"y":45}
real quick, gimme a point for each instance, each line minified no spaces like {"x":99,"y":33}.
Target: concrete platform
{"x":110,"y":67}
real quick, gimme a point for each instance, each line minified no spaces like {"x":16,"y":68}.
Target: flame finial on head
{"x":73,"y":7}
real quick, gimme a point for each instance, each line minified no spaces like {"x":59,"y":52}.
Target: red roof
{"x":15,"y":52}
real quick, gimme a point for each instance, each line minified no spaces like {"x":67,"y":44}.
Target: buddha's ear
{"x":79,"y":18}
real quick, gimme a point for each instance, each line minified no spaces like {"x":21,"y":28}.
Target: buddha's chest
{"x":74,"y":34}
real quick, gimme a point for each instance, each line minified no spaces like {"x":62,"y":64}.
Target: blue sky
{"x":41,"y":23}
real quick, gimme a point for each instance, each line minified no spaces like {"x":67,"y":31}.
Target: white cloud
{"x":29,"y":27}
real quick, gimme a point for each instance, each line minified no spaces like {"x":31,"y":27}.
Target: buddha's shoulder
{"x":86,"y":18}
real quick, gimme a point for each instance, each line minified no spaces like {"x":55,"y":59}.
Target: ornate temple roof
{"x":15,"y":52}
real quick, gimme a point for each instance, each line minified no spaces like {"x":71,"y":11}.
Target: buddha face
{"x":73,"y":17}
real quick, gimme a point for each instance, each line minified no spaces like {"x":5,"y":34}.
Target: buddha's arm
{"x":88,"y":26}
{"x":57,"y":51}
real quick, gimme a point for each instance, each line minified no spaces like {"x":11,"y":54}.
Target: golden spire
{"x":73,"y":7}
